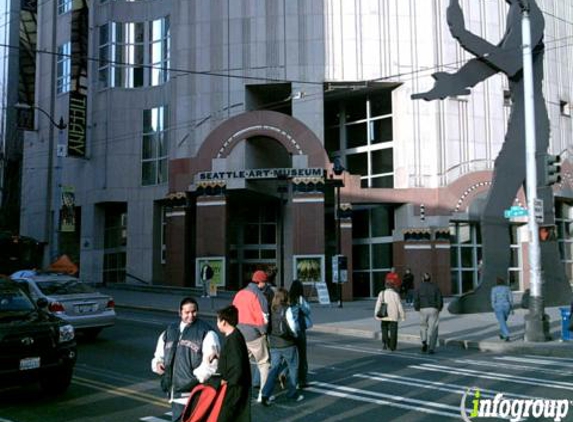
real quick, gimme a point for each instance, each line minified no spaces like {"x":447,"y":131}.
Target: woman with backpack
{"x":283,"y":348}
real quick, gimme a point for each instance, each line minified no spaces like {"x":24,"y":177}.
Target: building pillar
{"x":211,"y":223}
{"x":177,"y":246}
{"x":307,"y":217}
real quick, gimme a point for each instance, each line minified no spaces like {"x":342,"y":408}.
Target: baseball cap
{"x":259,"y":277}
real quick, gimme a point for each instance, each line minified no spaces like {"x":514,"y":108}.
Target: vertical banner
{"x":68,"y":210}
{"x":77,"y":113}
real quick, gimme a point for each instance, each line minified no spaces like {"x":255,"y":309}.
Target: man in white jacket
{"x":185,"y":356}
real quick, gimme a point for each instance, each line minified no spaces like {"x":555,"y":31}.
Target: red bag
{"x":204,"y":404}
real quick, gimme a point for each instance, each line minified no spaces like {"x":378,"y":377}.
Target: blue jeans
{"x":502,"y":313}
{"x":290,"y":356}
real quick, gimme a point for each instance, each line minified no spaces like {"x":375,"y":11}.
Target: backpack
{"x":204,"y":403}
{"x":280,"y":327}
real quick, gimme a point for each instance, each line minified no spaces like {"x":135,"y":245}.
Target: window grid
{"x":134,"y":54}
{"x":154,"y":154}
{"x":64,"y":68}
{"x":365,"y":143}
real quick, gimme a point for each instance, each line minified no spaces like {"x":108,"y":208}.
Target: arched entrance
{"x":257,"y":183}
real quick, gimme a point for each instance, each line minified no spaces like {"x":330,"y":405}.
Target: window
{"x":372,"y":228}
{"x":154,"y":147}
{"x":115,"y":243}
{"x":64,"y":68}
{"x":359,"y":131}
{"x":564,"y":223}
{"x":134,"y":54}
{"x":64,"y":6}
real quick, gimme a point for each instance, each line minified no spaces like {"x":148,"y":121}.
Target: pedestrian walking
{"x":408,"y":286}
{"x":502,"y":305}
{"x":268,"y":290}
{"x":302,"y":315}
{"x":234,"y":368}
{"x":253,"y":323}
{"x":428,"y":301}
{"x":206,"y":276}
{"x":183,"y":355}
{"x":394,"y":313}
{"x":283,"y":348}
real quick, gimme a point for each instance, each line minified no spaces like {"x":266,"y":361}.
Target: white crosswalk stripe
{"x":561,"y":363}
{"x":435,"y":385}
{"x":514,"y":367}
{"x":497,"y":376}
{"x":383,"y":399}
{"x":166,"y":418}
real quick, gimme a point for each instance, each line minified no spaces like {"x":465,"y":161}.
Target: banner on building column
{"x":68,"y":210}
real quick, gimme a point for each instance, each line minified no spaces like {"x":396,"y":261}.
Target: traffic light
{"x":552,"y":169}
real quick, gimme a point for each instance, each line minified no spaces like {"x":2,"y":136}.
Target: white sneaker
{"x":300,"y":397}
{"x":260,"y":397}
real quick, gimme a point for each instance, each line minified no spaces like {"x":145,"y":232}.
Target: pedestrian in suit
{"x":502,"y":304}
{"x":389,"y":324}
{"x":428,"y":301}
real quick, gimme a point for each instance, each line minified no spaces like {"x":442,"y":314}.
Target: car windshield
{"x":63,"y":287}
{"x":14,"y":300}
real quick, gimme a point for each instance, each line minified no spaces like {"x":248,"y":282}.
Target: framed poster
{"x":309,"y":268}
{"x":217,"y":263}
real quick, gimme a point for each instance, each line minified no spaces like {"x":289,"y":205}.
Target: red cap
{"x":259,"y":277}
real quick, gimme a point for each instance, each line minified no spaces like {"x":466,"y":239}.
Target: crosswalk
{"x":436,"y":389}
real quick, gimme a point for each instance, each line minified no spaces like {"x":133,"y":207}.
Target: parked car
{"x":70,"y":299}
{"x":35,"y":345}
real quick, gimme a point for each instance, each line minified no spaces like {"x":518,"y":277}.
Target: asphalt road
{"x":351,"y":380}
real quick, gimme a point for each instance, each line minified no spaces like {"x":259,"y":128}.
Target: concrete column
{"x":177,"y":244}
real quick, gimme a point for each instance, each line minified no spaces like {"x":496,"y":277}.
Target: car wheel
{"x":57,"y":382}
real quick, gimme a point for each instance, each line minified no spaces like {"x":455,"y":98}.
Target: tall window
{"x":371,"y":248}
{"x":64,"y":6}
{"x":115,"y":244}
{"x":134,"y":54}
{"x":64,"y":68}
{"x":359,"y":131}
{"x":466,"y":257}
{"x":564,"y":222}
{"x":154,"y":147}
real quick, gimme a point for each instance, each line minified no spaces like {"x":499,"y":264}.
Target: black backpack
{"x":280,"y":327}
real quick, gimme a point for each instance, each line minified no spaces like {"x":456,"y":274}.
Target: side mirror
{"x":42,"y":303}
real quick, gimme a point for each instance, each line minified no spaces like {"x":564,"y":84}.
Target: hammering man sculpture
{"x":510,"y":165}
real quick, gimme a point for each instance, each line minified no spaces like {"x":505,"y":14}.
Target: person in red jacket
{"x":253,"y":323}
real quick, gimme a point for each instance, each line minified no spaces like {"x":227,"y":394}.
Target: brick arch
{"x":291,"y":133}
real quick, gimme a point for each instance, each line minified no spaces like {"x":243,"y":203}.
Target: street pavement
{"x":356,"y":319}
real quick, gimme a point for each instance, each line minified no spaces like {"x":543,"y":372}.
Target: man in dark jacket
{"x":428,"y":302}
{"x":184,"y":356}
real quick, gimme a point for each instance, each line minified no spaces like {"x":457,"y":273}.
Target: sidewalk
{"x":474,"y":331}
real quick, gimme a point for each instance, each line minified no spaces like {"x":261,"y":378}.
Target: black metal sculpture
{"x":510,"y":164}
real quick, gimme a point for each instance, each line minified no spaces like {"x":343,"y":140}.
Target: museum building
{"x":276,"y":135}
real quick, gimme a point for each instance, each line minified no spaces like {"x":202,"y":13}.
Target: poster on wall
{"x":68,"y":210}
{"x":309,"y":269}
{"x":217,"y":264}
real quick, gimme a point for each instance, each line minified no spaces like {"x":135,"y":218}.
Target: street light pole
{"x":55,"y":184}
{"x":534,"y":330}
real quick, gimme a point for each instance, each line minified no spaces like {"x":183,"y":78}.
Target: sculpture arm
{"x":504,"y":57}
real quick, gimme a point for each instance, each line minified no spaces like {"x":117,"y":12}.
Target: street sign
{"x":538,"y":211}
{"x":515,"y":211}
